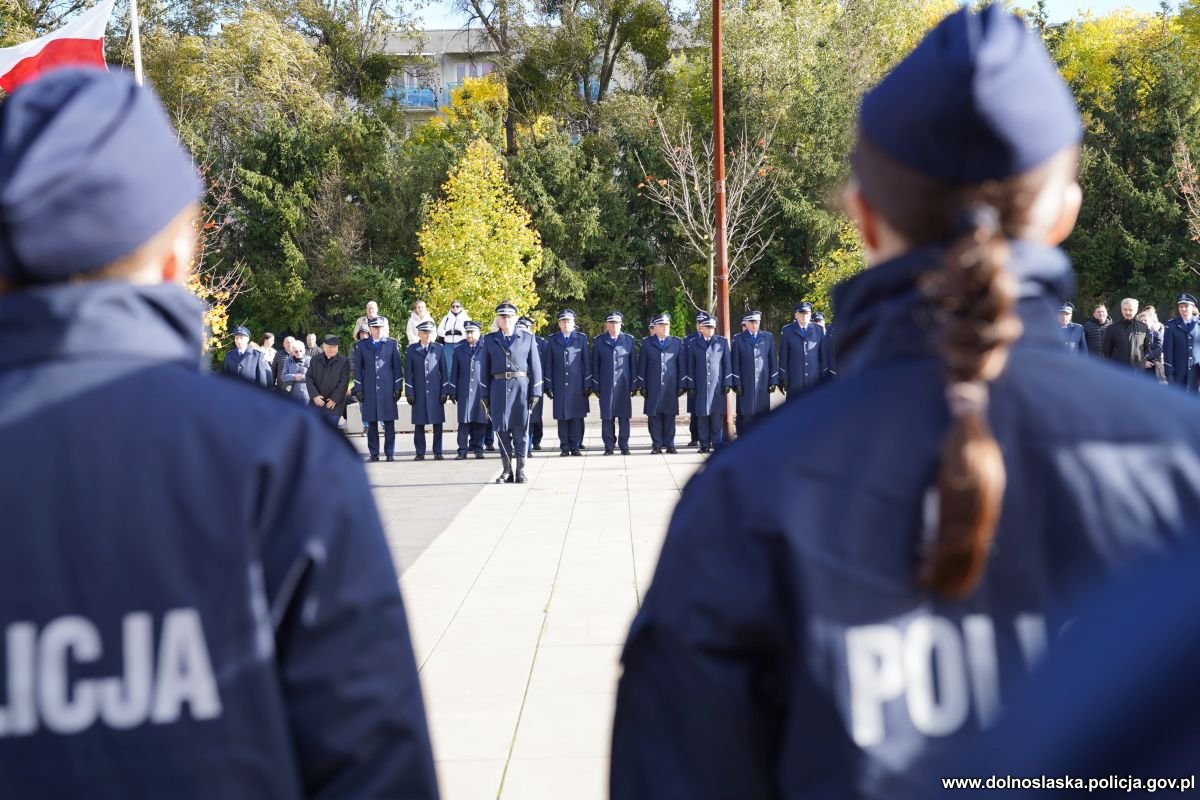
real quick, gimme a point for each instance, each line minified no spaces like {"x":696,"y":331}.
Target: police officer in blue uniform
{"x":870,"y":611}
{"x":1181,"y":346}
{"x":614,"y":356}
{"x":567,"y":369}
{"x":803,"y":354}
{"x":379,"y":376}
{"x":183,"y":603}
{"x":755,"y":372}
{"x":660,"y":380}
{"x":708,"y":378}
{"x":466,"y":392}
{"x":693,"y":422}
{"x":1072,"y":332}
{"x":425,"y":387}
{"x":512,"y":385}
{"x":244,"y":362}
{"x":536,"y":427}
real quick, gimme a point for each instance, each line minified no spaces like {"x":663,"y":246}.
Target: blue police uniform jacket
{"x":567,"y":370}
{"x":425,"y":383}
{"x":1074,"y":338}
{"x":613,"y":379}
{"x":803,"y":360}
{"x":203,"y":591}
{"x":378,"y":375}
{"x":708,"y":373}
{"x":784,"y":649}
{"x":660,"y":375}
{"x":508,"y":398}
{"x":755,"y":370}
{"x":1117,"y":696}
{"x":1181,"y":349}
{"x":466,"y":382}
{"x":249,"y":366}
{"x":687,"y":343}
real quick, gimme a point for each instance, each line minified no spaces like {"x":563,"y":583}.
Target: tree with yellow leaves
{"x":478,"y":245}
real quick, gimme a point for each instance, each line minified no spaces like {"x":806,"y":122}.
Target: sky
{"x":441,"y":14}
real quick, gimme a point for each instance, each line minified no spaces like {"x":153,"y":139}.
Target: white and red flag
{"x":79,"y":42}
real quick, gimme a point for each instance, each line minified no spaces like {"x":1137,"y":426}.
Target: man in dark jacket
{"x":512,"y":385}
{"x":279,"y":361}
{"x":536,"y":426}
{"x":1128,"y":342}
{"x":660,"y":380}
{"x":466,"y":391}
{"x":328,"y":379}
{"x":803,"y":356}
{"x":708,"y":377}
{"x":245,"y":362}
{"x":1181,"y":346}
{"x":425,"y":386}
{"x":1094,"y":328}
{"x":210,"y":607}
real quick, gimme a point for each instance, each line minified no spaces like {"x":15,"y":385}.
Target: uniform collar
{"x":102,"y":319}
{"x":873,"y":305}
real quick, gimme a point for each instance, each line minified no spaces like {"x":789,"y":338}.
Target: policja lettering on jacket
{"x":157,"y":685}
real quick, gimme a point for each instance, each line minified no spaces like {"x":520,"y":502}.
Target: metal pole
{"x":137,"y":41}
{"x":720,"y":250}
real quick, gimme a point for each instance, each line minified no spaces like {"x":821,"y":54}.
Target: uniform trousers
{"x":570,"y":434}
{"x":693,"y":428}
{"x":470,"y":437}
{"x":608,"y":432}
{"x":419,"y":439}
{"x":662,"y":429}
{"x":389,"y":437}
{"x":712,"y":430}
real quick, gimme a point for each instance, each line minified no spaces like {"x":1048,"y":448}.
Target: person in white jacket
{"x":419,"y":314}
{"x":450,"y":331}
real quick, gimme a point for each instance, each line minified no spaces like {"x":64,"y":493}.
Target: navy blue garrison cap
{"x":90,"y":170}
{"x":978,"y":99}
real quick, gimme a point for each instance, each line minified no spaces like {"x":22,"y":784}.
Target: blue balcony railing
{"x":412,"y":96}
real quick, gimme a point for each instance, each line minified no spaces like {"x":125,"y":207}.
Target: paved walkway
{"x":520,"y":598}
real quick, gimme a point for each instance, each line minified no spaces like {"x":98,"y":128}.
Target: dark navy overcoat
{"x":755,"y":370}
{"x":425,"y":383}
{"x":660,"y":374}
{"x":803,"y":360}
{"x":567,"y":371}
{"x":378,"y":375}
{"x":509,"y":398}
{"x":709,"y":372}
{"x":466,"y":382}
{"x":613,"y":361}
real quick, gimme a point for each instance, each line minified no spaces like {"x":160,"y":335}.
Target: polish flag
{"x":79,"y":42}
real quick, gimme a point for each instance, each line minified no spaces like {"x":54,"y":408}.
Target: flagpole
{"x":137,"y":41}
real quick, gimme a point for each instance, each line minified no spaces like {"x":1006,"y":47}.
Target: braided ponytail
{"x":974,"y":299}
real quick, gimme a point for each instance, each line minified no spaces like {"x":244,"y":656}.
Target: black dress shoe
{"x":576,"y":453}
{"x":418,"y":458}
{"x":693,"y":443}
{"x":654,"y":451}
{"x":390,"y":458}
{"x":537,"y":447}
{"x":512,"y":478}
{"x":583,"y":447}
{"x":439,"y":457}
{"x":478,"y":454}
{"x":373,"y":458}
{"x":564,"y":453}
{"x":491,"y":448}
{"x":703,"y":450}
{"x":672,"y":450}
{"x":608,"y":451}
{"x":624,"y":451}
{"x":461,"y":457}
{"x":504,"y":478}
